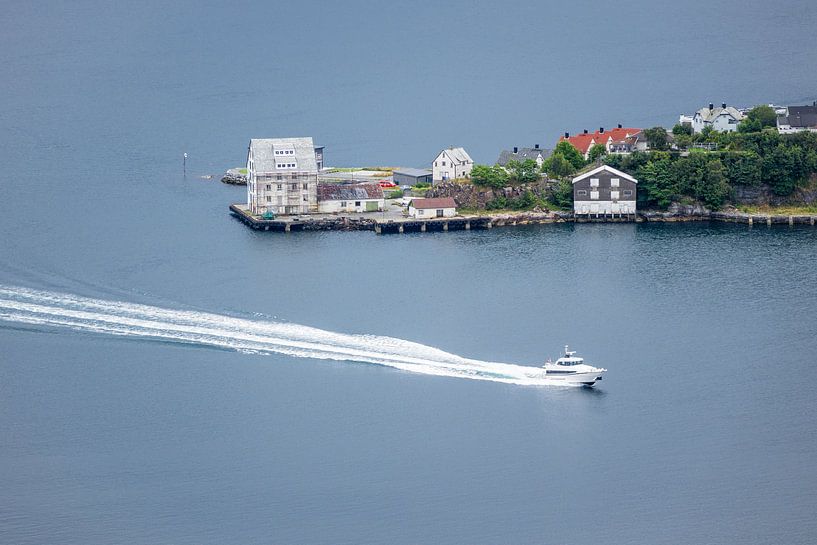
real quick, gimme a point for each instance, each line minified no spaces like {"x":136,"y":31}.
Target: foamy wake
{"x":49,"y":309}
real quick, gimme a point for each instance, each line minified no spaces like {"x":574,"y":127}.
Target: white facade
{"x":723,"y":119}
{"x":604,"y":207}
{"x":450,"y":164}
{"x":428,"y":213}
{"x":282,"y":176}
{"x":360,"y":205}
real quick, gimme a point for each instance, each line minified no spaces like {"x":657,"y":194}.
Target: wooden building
{"x":604,"y":190}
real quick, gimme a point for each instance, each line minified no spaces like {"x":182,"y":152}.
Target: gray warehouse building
{"x":412,"y":176}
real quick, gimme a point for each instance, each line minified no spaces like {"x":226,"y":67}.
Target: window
{"x":269,"y":199}
{"x":628,"y":192}
{"x":581,"y":192}
{"x":279,"y":185}
{"x":357,"y":203}
{"x":594,"y":182}
{"x":294,"y":187}
{"x":594,"y":195}
{"x":435,"y":163}
{"x":614,"y":182}
{"x":443,"y":163}
{"x":614,"y":195}
{"x":306,"y":186}
{"x":343,"y":204}
{"x":280,"y":177}
{"x":306,"y":198}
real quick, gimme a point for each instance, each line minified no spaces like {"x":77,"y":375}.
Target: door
{"x":371,"y":206}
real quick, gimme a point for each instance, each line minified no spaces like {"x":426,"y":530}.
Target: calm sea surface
{"x":704,"y":430}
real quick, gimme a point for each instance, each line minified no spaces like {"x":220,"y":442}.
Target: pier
{"x":395,"y":223}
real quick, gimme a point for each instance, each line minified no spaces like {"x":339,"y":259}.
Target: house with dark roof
{"x":604,"y":190}
{"x":798,"y":119}
{"x":335,"y":198}
{"x":441,"y":207}
{"x":412,"y":176}
{"x":522,"y":154}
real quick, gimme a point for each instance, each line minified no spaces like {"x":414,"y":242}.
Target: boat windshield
{"x":572,"y":361}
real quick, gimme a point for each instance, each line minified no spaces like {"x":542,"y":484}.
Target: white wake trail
{"x":50,"y":309}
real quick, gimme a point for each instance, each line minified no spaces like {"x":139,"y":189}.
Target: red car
{"x":386,"y":183}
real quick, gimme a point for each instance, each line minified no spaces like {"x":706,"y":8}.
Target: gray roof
{"x":709,"y":115}
{"x":800,"y":116}
{"x":458,"y":154}
{"x":349,"y":192}
{"x":263,"y":153}
{"x":416,"y":172}
{"x":522,"y":154}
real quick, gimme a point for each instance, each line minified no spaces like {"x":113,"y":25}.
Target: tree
{"x":763,"y":115}
{"x":557,"y":166}
{"x":682,"y":128}
{"x":657,"y":182}
{"x":713,"y":189}
{"x":569,"y":152}
{"x":683,"y":141}
{"x":494,"y":176}
{"x":750,"y":125}
{"x":657,"y":138}
{"x":562,"y":196}
{"x":523,"y":172}
{"x":596,"y":152}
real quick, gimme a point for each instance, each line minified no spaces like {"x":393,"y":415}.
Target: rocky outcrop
{"x":468,"y":195}
{"x":234,"y":177}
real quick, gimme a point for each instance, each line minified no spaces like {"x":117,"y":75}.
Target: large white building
{"x":282,"y":176}
{"x":723,"y":119}
{"x":450,"y":164}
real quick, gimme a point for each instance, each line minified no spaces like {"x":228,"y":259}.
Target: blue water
{"x":702,"y":432}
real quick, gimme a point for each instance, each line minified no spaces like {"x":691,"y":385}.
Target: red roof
{"x":441,"y":202}
{"x":583,"y":142}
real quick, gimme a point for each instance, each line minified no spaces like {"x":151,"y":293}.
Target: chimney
{"x":619,"y":125}
{"x":711,"y":106}
{"x":723,"y":105}
{"x":515,"y":149}
{"x":585,"y":131}
{"x":601,"y":130}
{"x":536,"y":146}
{"x":567,"y":135}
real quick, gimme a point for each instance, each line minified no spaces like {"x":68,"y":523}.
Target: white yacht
{"x":572,"y":369}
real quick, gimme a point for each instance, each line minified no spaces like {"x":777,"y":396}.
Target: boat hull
{"x":584,"y":379}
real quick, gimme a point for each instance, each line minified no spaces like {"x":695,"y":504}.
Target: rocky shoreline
{"x":234,"y":176}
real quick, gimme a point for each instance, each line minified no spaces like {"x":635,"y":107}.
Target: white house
{"x":723,"y":119}
{"x":604,"y":190}
{"x":452,"y":163}
{"x":282,"y":176}
{"x":798,"y":119}
{"x":443,"y":207}
{"x":337,"y":198}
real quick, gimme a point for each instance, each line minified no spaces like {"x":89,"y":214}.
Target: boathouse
{"x":442,"y":207}
{"x":604,"y":191}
